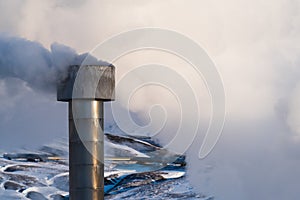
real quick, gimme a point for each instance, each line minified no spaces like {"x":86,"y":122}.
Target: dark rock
{"x":31,"y":157}
{"x":15,"y":168}
{"x":59,"y":197}
{"x":24,"y":179}
{"x":35,"y":196}
{"x":127,"y":182}
{"x":11,"y":185}
{"x":134,"y":143}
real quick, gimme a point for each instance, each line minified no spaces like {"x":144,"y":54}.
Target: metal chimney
{"x":86,"y":88}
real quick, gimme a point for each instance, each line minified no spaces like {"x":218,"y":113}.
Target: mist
{"x":254,"y":45}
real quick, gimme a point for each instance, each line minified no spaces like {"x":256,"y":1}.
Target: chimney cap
{"x":94,"y":82}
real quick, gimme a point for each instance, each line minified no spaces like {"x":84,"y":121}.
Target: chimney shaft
{"x":86,"y":150}
{"x":93,"y":86}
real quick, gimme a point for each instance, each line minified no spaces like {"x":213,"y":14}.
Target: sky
{"x":253,"y":45}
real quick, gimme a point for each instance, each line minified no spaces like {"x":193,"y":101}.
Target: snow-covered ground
{"x":135,"y":168}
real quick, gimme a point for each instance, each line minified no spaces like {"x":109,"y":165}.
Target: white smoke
{"x":32,"y":63}
{"x":29,"y":73}
{"x":37,"y":66}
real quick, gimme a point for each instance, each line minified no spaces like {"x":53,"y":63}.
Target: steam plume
{"x":39,"y":67}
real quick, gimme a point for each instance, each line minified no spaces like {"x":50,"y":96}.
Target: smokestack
{"x":85,"y":89}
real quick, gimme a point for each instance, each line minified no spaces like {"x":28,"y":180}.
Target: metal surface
{"x":92,"y":82}
{"x":86,"y":150}
{"x":86,"y":88}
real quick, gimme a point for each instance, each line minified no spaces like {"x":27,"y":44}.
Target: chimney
{"x":85,"y":89}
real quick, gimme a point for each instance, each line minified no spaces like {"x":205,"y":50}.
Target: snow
{"x":141,"y":176}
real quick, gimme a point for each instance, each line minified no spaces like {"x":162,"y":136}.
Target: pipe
{"x":85,"y":89}
{"x":86,"y":150}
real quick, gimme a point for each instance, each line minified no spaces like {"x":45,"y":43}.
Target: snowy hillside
{"x":135,"y":168}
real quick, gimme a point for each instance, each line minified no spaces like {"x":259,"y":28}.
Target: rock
{"x":24,"y":179}
{"x":35,"y":196}
{"x":31,"y":157}
{"x":59,"y":197}
{"x":11,"y":185}
{"x":15,"y":168}
{"x":11,"y":195}
{"x":134,"y":143}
